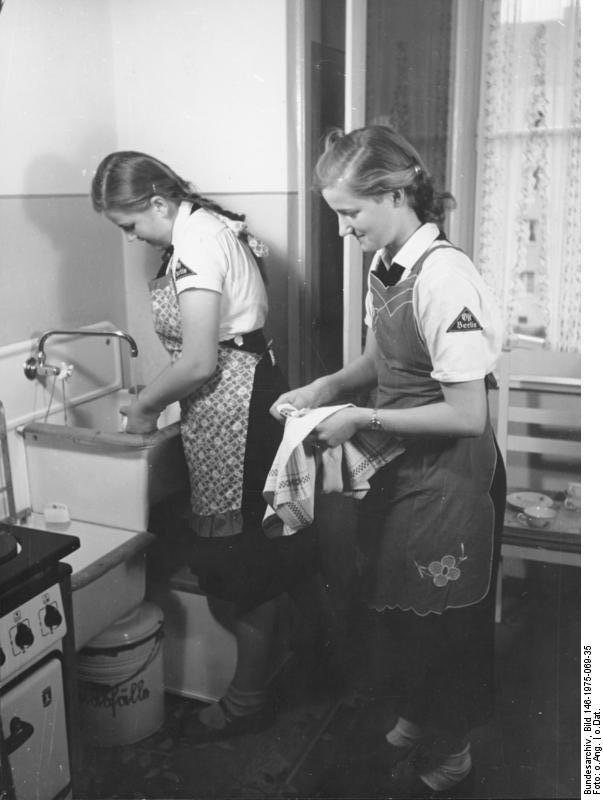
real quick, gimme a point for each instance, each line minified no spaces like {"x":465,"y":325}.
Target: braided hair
{"x":127,"y":180}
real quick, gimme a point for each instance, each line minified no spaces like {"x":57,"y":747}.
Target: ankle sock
{"x":239,"y":704}
{"x":404,"y":733}
{"x":451,"y":771}
{"x":235,"y":703}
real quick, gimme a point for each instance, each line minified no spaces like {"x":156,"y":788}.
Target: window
{"x":528,"y":217}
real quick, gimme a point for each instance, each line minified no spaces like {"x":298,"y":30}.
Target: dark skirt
{"x":249,"y":568}
{"x":440,"y":667}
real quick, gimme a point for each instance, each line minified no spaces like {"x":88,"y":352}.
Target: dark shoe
{"x":193,"y":728}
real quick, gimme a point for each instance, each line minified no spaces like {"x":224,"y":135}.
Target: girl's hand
{"x":139,"y":419}
{"x":304,"y":397}
{"x":337,"y":428}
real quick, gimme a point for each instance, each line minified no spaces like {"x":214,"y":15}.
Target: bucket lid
{"x":139,"y":623}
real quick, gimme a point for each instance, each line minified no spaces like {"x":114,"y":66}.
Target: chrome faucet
{"x":36,"y":365}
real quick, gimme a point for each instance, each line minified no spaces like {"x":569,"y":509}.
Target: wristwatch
{"x":376,"y":422}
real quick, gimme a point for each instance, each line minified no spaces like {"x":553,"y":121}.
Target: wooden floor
{"x":531,"y":749}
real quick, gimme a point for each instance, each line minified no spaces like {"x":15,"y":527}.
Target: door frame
{"x":463,"y":122}
{"x":355,"y":117}
{"x":462,"y":174}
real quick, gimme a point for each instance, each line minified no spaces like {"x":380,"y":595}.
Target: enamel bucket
{"x":120,"y":680}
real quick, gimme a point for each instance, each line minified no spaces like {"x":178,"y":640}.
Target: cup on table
{"x":573,"y":496}
{"x":537,"y":516}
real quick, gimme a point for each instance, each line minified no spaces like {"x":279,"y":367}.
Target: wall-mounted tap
{"x":36,"y":365}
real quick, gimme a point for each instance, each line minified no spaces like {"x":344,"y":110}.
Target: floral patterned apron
{"x":213,"y":422}
{"x":429,"y":519}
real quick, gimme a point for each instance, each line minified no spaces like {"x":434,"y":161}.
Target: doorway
{"x":407,"y":74}
{"x":327,"y":110}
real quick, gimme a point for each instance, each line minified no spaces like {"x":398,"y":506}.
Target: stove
{"x":27,"y":551}
{"x":9,"y":546}
{"x":37,"y":688}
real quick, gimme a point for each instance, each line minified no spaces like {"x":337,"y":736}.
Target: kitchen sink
{"x":82,"y":466}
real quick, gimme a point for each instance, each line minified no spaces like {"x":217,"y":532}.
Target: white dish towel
{"x":291,"y":483}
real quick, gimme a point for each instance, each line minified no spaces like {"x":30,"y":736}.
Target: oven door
{"x":35,"y":733}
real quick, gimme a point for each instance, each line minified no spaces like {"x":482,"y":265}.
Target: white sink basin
{"x":109,"y":573}
{"x":79,"y":458}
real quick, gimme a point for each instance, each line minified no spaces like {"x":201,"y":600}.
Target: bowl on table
{"x":537,"y":516}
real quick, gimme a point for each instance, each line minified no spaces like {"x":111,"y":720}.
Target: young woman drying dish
{"x":430,"y":527}
{"x":209,"y":306}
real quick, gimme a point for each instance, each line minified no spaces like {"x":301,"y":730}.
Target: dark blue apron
{"x":429,"y":518}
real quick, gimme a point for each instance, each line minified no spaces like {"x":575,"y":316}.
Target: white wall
{"x":57,"y":111}
{"x":202,"y":84}
{"x":57,"y":116}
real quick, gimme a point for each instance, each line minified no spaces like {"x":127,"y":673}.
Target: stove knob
{"x":23,"y":637}
{"x":52,"y":616}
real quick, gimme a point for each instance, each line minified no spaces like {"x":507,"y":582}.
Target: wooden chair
{"x":539,"y":440}
{"x":546,"y":428}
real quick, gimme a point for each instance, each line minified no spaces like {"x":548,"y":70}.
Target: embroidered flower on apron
{"x":442,"y":571}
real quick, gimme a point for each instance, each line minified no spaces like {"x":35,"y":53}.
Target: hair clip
{"x":418,"y":169}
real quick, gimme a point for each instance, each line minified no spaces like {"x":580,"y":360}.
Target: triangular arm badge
{"x":182,"y":270}
{"x":466,"y":321}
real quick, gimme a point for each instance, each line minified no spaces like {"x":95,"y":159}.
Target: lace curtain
{"x":529,"y":143}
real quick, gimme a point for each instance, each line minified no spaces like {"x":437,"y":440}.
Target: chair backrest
{"x":546,"y":429}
